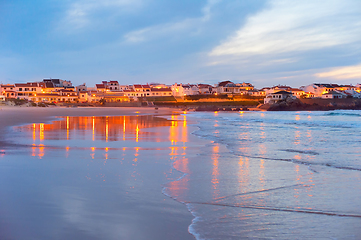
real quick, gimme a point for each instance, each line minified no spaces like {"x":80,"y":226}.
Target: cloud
{"x":165,"y":29}
{"x":349,"y":72}
{"x":207,"y":13}
{"x":291,"y":26}
{"x":157,"y":31}
{"x":79,"y":13}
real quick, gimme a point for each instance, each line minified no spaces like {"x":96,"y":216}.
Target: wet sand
{"x":45,"y":195}
{"x":11,"y":116}
{"x":14,"y":116}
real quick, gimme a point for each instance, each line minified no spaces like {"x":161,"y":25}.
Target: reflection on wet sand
{"x":106,"y":172}
{"x":177,"y":155}
{"x":107,"y":129}
{"x":179,"y":187}
{"x":110,"y":130}
{"x":178,"y":132}
{"x":243,"y":174}
{"x":103,"y":128}
{"x":215,"y":171}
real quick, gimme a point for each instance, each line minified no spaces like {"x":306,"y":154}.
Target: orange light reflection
{"x":215,"y":171}
{"x":137,"y":133}
{"x":67,"y":127}
{"x":93,"y":127}
{"x":41,"y":132}
{"x":106,"y":129}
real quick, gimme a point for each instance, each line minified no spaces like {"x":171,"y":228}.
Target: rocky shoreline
{"x":299,"y":105}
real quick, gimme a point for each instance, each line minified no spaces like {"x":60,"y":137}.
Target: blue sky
{"x":265,"y":42}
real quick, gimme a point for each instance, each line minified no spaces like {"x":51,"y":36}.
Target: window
{"x":20,"y":89}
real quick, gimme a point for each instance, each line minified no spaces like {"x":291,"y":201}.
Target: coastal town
{"x":58,"y":91}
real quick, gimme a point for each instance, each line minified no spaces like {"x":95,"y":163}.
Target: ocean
{"x":241,"y":175}
{"x":276,"y":175}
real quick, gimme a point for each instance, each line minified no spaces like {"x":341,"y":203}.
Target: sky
{"x":264,"y":42}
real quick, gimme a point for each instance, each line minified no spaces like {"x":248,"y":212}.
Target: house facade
{"x":277,"y":96}
{"x":318,"y":89}
{"x":245,"y":86}
{"x":180,"y":90}
{"x":8,"y":90}
{"x":334,"y":95}
{"x":161,"y":92}
{"x":142,"y":90}
{"x":298,"y":93}
{"x":206,"y":89}
{"x":27,"y":90}
{"x":257,"y":93}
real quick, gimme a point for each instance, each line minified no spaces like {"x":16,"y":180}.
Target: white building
{"x":28,"y":90}
{"x":142,"y":90}
{"x":245,"y":86}
{"x":206,"y":89}
{"x":298,"y":93}
{"x":180,"y":90}
{"x":353,"y":93}
{"x":227,"y":87}
{"x":123,"y":87}
{"x":107,"y":86}
{"x":278,"y":96}
{"x":333,"y":95}
{"x":257,"y":93}
{"x":318,"y":89}
{"x":58,"y":83}
{"x":81,"y":88}
{"x":277,"y":88}
{"x":8,"y":90}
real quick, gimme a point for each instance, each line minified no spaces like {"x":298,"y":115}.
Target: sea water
{"x":274,"y":175}
{"x":242,"y":175}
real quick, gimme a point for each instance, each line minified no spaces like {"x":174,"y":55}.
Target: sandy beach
{"x":57,"y":191}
